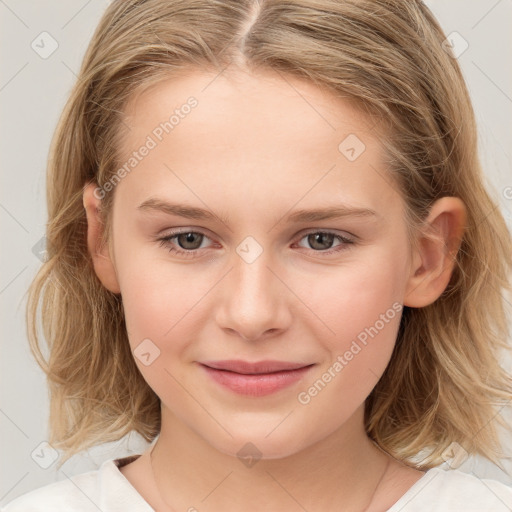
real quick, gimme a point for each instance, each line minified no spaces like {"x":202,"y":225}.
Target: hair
{"x":443,"y":383}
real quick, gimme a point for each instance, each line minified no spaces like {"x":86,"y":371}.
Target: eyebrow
{"x":312,"y":215}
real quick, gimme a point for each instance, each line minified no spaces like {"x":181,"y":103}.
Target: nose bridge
{"x":254,"y":280}
{"x":253,"y":302}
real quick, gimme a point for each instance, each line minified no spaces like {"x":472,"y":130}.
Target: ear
{"x":99,"y":251}
{"x":435,"y":255}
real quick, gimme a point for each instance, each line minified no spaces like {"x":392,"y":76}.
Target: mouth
{"x":255,"y":379}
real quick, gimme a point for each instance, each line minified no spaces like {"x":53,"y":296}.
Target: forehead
{"x":254,"y":131}
{"x":264,"y":103}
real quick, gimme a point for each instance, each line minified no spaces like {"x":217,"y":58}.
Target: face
{"x":252,"y":276}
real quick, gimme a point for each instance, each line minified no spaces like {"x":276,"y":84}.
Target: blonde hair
{"x":444,"y":382}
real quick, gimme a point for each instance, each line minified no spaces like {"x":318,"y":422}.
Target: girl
{"x":271,"y":254}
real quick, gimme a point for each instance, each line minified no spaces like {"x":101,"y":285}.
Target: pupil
{"x":188,"y":238}
{"x":324,"y":239}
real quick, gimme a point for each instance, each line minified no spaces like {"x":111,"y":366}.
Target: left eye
{"x":318,"y":240}
{"x":188,"y":242}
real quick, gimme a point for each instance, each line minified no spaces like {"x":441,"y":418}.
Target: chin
{"x":259,"y":446}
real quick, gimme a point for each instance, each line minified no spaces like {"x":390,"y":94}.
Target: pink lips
{"x":255,"y":379}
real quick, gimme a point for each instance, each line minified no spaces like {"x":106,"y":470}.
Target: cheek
{"x":164,"y":302}
{"x":365,"y":325}
{"x":158,"y":298}
{"x":360,"y":306}
{"x":354,"y":295}
{"x":163,"y":311}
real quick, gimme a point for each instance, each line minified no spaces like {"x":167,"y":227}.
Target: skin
{"x":256,"y":148}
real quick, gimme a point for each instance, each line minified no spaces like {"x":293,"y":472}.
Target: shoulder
{"x":453,"y":490}
{"x":74,"y":493}
{"x":104,"y":489}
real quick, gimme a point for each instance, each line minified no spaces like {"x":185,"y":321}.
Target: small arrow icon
{"x":44,"y":455}
{"x":454,"y":455}
{"x":249,"y":454}
{"x":249,"y":249}
{"x":44,"y":45}
{"x":146,"y":352}
{"x":455,"y":45}
{"x":39,"y":249}
{"x":351,"y":147}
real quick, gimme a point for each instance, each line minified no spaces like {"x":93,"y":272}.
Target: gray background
{"x":33,"y":91}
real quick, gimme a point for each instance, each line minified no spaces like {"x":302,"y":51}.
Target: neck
{"x":345,"y":467}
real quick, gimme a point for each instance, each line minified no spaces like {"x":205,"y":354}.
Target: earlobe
{"x":99,"y":251}
{"x":435,"y":256}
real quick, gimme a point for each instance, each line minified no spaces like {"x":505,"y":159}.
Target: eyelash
{"x":166,"y":242}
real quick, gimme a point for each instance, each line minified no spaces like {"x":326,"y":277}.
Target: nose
{"x":253,"y":302}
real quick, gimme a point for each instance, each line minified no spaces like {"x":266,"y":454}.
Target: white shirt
{"x":108,"y":490}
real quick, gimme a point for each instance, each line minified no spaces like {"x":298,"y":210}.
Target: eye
{"x":321,"y":240}
{"x":187,"y":242}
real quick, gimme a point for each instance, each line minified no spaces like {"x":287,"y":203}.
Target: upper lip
{"x":248,"y":368}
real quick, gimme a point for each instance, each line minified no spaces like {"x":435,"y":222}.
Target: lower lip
{"x":256,"y":385}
